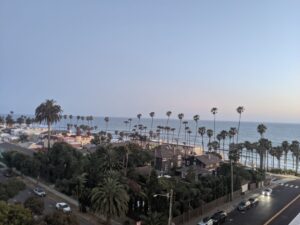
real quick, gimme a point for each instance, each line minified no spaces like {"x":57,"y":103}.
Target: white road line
{"x":281,"y":184}
{"x":296,"y":186}
{"x":292,"y":186}
{"x":286,"y":185}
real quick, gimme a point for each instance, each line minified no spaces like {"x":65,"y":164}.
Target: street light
{"x":170,"y":196}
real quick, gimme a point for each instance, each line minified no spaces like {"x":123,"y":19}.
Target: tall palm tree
{"x":285,"y":147}
{"x":196,"y":119}
{"x":261,"y":129}
{"x":202,"y":131}
{"x":169,"y":113}
{"x":48,"y":112}
{"x":239,"y":110}
{"x":110,"y":199}
{"x":139,"y":116}
{"x":152,"y":114}
{"x":106,"y":120}
{"x":78,"y":118}
{"x":180,"y":117}
{"x":214,"y":111}
{"x":224,"y":134}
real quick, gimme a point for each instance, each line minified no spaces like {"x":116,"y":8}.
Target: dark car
{"x":244,"y":205}
{"x":253,"y":201}
{"x":219,"y":217}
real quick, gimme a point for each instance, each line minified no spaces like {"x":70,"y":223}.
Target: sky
{"x":120,"y":58}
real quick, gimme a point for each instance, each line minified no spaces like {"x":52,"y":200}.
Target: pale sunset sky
{"x":119,"y":58}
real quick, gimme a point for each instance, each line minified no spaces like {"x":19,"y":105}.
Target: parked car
{"x":244,"y":205}
{"x":206,"y":221}
{"x":219,"y":217}
{"x":63,"y":207}
{"x":267,"y":192}
{"x":253,"y":201}
{"x":39,"y":192}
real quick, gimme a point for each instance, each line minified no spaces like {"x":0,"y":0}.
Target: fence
{"x":204,"y":208}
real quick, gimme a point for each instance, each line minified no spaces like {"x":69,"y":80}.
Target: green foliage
{"x":59,"y":218}
{"x":110,"y":199}
{"x":10,"y":188}
{"x":154,"y":219}
{"x":35,"y":204}
{"x":14,"y":215}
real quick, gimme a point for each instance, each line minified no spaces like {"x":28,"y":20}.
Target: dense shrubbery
{"x":10,"y":188}
{"x":35,"y":204}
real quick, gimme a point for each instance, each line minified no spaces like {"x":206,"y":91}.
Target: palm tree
{"x":106,"y":120}
{"x":110,"y":199}
{"x":152,"y":114}
{"x":261,"y":129}
{"x":202,"y":131}
{"x":209,"y":133}
{"x":169,"y":113}
{"x":214,"y":111}
{"x":224,"y":134}
{"x":295,"y":149}
{"x":78,"y":118}
{"x":285,"y":147}
{"x":48,"y":112}
{"x":185,"y":129}
{"x":139,"y":116}
{"x":196,"y":118}
{"x":180,"y":117}
{"x":173,"y":133}
{"x":70,"y":118}
{"x":232,"y":132}
{"x":240,"y":110}
{"x":278,"y":154}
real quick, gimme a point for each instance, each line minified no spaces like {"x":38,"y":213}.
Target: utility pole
{"x":170,"y":207}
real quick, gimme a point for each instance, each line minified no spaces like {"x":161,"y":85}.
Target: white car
{"x":63,"y":207}
{"x":206,"y":221}
{"x":39,"y":192}
{"x":267,"y":192}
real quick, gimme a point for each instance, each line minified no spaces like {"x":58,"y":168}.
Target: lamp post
{"x":170,"y":196}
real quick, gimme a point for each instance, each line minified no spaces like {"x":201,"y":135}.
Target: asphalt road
{"x":269,"y":206}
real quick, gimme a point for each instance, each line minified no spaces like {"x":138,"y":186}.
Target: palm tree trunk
{"x":48,"y":136}
{"x":196,"y":134}
{"x":179,"y":132}
{"x":238,"y":130}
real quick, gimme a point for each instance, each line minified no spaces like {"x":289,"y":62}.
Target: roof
{"x":208,"y":159}
{"x":166,"y":151}
{"x":196,"y":169}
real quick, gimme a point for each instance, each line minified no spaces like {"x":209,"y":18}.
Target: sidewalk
{"x":230,"y":206}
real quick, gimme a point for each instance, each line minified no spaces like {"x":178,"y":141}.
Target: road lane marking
{"x":292,"y":186}
{"x":280,"y":211}
{"x":286,"y":185}
{"x":296,"y":186}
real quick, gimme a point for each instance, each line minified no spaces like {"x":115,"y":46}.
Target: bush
{"x":11,"y":188}
{"x":35,"y":204}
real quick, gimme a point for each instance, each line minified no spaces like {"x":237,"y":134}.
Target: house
{"x":193,"y":169}
{"x":207,"y":161}
{"x":167,"y":157}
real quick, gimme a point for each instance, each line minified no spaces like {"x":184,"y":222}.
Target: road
{"x":269,"y":206}
{"x":49,"y":202}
